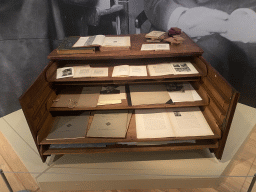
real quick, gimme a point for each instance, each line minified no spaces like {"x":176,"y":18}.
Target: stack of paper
{"x":111,"y":94}
{"x":182,"y":92}
{"x":173,"y":122}
{"x":69,"y":127}
{"x":110,"y":124}
{"x":149,"y":94}
{"x":126,"y":71}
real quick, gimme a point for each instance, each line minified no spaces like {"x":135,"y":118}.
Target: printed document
{"x":189,"y":122}
{"x":99,"y":72}
{"x":180,"y":68}
{"x":160,"y":69}
{"x":65,"y":72}
{"x":153,"y":123}
{"x":83,"y":71}
{"x":172,"y":122}
{"x":126,"y":70}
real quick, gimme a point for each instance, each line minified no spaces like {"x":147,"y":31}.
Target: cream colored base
{"x":188,"y":169}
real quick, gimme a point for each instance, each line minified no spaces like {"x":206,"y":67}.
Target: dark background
{"x":31,"y":29}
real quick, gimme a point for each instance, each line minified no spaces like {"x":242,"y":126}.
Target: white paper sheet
{"x":153,"y":123}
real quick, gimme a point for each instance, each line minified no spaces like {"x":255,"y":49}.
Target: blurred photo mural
{"x":31,"y":29}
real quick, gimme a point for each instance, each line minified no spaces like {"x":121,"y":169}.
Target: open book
{"x":126,"y":71}
{"x":173,"y":122}
{"x":105,"y":43}
{"x":174,"y":68}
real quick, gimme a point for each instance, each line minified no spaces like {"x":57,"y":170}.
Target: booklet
{"x":110,"y":124}
{"x":69,"y":127}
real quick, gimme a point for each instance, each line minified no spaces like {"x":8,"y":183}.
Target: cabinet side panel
{"x":223,"y":101}
{"x":219,"y":151}
{"x":34,"y":104}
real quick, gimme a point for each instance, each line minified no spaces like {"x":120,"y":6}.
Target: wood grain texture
{"x":188,"y":48}
{"x":218,"y":105}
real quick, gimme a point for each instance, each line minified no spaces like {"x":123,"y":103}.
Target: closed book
{"x":66,"y":47}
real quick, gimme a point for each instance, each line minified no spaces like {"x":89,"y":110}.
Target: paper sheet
{"x":84,"y":71}
{"x":182,"y":92}
{"x":160,"y":69}
{"x":153,"y":123}
{"x":189,"y":122}
{"x":138,"y":71}
{"x":183,"y":68}
{"x":99,"y":72}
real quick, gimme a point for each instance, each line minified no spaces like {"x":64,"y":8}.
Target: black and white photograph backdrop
{"x":31,"y":29}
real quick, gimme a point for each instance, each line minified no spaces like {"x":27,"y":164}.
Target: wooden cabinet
{"x":218,"y":104}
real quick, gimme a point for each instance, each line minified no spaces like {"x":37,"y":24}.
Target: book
{"x":104,"y":43}
{"x":87,"y":71}
{"x":160,"y":69}
{"x":66,"y":47}
{"x":110,"y":124}
{"x":172,"y":122}
{"x":174,"y":68}
{"x":128,"y":71}
{"x":69,"y":127}
{"x":155,"y":35}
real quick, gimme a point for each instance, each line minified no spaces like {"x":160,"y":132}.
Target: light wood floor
{"x":244,"y":163}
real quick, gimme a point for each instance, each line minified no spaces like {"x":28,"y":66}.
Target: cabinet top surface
{"x":187,"y":48}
